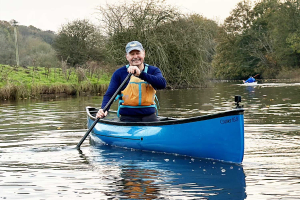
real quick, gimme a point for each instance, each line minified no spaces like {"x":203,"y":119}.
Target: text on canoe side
{"x":231,"y":120}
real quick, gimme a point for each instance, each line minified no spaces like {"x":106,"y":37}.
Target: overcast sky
{"x":51,"y":14}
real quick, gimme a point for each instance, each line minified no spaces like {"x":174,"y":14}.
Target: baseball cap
{"x":134,"y":45}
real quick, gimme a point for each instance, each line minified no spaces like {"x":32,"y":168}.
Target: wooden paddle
{"x":104,"y":109}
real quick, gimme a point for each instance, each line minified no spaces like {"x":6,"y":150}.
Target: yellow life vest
{"x":138,"y":93}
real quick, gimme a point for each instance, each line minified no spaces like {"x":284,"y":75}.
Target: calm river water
{"x":39,"y":160}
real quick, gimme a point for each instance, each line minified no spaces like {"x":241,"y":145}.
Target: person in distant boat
{"x":250,"y":80}
{"x":137,"y":96}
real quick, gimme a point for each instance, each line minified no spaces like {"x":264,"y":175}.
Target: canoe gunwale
{"x":165,"y":120}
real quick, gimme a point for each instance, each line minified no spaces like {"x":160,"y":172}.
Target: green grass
{"x":24,"y":82}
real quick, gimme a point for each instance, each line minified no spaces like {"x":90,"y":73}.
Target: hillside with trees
{"x":34,"y":46}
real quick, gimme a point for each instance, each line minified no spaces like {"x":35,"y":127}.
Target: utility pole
{"x":14,"y":23}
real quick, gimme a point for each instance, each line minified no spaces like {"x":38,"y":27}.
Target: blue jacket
{"x":153,"y":76}
{"x":250,"y":80}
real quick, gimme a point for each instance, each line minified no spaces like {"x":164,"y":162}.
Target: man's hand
{"x":134,"y":70}
{"x":101,"y":114}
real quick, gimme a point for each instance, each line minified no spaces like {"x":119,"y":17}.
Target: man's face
{"x":135,"y":57}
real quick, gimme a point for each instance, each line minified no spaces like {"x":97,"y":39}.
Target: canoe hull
{"x":217,"y":137}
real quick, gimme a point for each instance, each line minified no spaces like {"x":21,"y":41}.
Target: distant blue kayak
{"x":217,"y":136}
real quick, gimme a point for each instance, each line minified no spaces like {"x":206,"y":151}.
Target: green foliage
{"x":126,"y":22}
{"x":184,"y":49}
{"x":78,"y":42}
{"x":31,"y":31}
{"x":7,"y":50}
{"x":294,"y":41}
{"x":34,"y":46}
{"x":233,"y":57}
{"x":182,"y":46}
{"x":260,"y":39}
{"x":35,"y":52}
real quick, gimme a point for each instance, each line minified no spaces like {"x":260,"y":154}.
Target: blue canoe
{"x":217,"y":136}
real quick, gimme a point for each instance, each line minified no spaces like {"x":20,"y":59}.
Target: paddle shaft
{"x":104,"y":109}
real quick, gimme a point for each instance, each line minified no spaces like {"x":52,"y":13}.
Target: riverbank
{"x":35,"y":82}
{"x":32,"y":82}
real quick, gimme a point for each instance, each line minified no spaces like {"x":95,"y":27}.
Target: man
{"x":149,"y":77}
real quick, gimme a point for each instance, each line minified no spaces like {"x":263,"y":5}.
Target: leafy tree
{"x":184,"y":49}
{"x":125,"y":22}
{"x":182,"y":46}
{"x":78,"y":42}
{"x":233,"y":57}
{"x":294,"y":41}
{"x":285,"y":26}
{"x":259,"y":39}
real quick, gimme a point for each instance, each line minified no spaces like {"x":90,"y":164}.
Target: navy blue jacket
{"x":153,"y":77}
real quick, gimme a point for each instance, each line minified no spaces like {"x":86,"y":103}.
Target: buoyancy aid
{"x":137,"y":94}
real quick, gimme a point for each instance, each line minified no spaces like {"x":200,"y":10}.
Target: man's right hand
{"x":101,"y":114}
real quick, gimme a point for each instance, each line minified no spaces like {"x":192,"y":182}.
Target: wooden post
{"x":14,"y":23}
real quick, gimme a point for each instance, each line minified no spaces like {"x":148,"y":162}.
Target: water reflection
{"x":146,"y":175}
{"x":250,"y":91}
{"x":38,"y":159}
